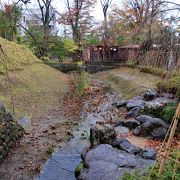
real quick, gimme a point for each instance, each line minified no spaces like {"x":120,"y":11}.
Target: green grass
{"x":152,"y":70}
{"x":168,"y":112}
{"x":129,"y":82}
{"x":171,"y":171}
{"x":16,"y":56}
{"x":171,"y":85}
{"x":35,"y":87}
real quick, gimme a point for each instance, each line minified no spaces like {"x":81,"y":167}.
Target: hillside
{"x":15,"y":56}
{"x":32,"y":84}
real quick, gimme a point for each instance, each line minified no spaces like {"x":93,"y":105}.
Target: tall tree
{"x":47,"y":14}
{"x":78,"y":17}
{"x":105,"y":6}
{"x":10,"y":14}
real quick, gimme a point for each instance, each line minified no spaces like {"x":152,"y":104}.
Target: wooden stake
{"x":170,"y":139}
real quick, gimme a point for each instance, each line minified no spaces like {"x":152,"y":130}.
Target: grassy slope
{"x":35,"y":87}
{"x":16,"y":56}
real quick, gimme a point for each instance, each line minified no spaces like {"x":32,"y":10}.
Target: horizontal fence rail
{"x":119,"y":55}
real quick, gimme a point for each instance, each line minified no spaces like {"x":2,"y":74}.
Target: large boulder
{"x":105,"y":162}
{"x":102,"y":134}
{"x":150,"y":95}
{"x":153,"y":127}
{"x":135,"y":102}
{"x":10,"y":132}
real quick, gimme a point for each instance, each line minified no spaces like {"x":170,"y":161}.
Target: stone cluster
{"x":10,"y":132}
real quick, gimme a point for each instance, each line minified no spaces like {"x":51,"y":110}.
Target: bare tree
{"x":47,"y":14}
{"x":105,"y":6}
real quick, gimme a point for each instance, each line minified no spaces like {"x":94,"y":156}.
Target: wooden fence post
{"x":170,"y":139}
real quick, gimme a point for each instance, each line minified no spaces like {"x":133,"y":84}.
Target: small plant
{"x":83,"y":82}
{"x":50,"y":150}
{"x":131,"y":176}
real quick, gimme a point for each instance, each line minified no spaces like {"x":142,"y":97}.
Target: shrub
{"x":168,"y":112}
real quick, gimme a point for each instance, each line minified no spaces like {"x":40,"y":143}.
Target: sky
{"x":60,"y":6}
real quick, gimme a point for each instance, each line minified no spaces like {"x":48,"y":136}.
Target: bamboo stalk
{"x":170,"y":139}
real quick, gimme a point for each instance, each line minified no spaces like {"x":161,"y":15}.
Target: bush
{"x":168,"y":112}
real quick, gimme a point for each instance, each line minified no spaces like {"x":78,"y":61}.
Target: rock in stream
{"x":108,"y":163}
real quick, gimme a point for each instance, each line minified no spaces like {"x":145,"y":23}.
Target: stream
{"x":62,"y":164}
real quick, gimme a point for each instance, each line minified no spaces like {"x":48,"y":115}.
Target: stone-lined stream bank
{"x":115,"y":127}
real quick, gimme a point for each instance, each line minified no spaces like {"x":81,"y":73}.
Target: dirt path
{"x":49,"y":129}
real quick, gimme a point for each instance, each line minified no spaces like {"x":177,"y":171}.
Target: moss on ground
{"x":16,"y":56}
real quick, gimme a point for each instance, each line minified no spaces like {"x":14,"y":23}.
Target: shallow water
{"x":62,"y":164}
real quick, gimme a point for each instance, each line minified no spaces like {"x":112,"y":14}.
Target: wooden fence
{"x":128,"y":54}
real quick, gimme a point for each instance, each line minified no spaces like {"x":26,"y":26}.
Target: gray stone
{"x":9,"y":117}
{"x":153,"y":127}
{"x":135,"y":102}
{"x":134,"y":111}
{"x":102,"y":134}
{"x":120,"y":103}
{"x":143,"y":118}
{"x":125,"y":145}
{"x":2,"y":111}
{"x":148,"y":154}
{"x":150,"y":95}
{"x":121,"y":130}
{"x":25,"y":122}
{"x":137,"y":131}
{"x":159,"y":133}
{"x":158,"y":102}
{"x":108,"y":163}
{"x":154,"y":123}
{"x":130,"y":123}
{"x":168,"y":95}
